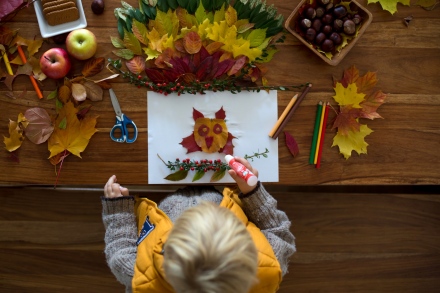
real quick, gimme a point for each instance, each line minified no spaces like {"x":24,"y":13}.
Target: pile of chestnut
{"x":323,"y":23}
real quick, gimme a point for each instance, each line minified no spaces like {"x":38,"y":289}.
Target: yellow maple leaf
{"x":348,"y":96}
{"x":156,"y":40}
{"x":75,"y":136}
{"x":165,"y":23}
{"x":246,"y":50}
{"x":354,"y":141}
{"x":151,"y":54}
{"x":16,"y":136}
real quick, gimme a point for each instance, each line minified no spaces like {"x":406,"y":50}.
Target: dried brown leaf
{"x":93,"y":66}
{"x":94,"y":92}
{"x":64,"y":94}
{"x":79,"y":92}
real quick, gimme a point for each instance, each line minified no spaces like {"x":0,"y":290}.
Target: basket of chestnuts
{"x":330,"y":28}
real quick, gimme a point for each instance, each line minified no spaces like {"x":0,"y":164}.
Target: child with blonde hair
{"x":197,"y":240}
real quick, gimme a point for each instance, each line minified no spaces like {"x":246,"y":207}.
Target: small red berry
{"x":177,"y":160}
{"x":196,"y":162}
{"x":182,"y":87}
{"x":161,"y":91}
{"x":139,"y":76}
{"x":192,"y":168}
{"x":158,"y":84}
{"x":210,"y":161}
{"x":139,"y":86}
{"x":178,"y":84}
{"x":178,"y":94}
{"x":205,"y":170}
{"x":181,"y":168}
{"x":164,"y":84}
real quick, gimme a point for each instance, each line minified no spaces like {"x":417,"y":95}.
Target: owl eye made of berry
{"x":209,"y":135}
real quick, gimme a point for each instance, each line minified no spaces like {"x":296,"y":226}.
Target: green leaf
{"x":52,"y":95}
{"x":257,"y":37}
{"x":124,"y":53}
{"x":117,"y":42}
{"x":121,"y":27}
{"x":58,"y":105}
{"x":177,"y":176}
{"x":199,"y":174}
{"x":132,"y":43}
{"x":219,"y":15}
{"x":63,"y":123}
{"x":200,"y":13}
{"x":218,"y":175}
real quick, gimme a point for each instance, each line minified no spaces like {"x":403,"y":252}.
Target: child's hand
{"x":113,"y":189}
{"x":244,"y":187}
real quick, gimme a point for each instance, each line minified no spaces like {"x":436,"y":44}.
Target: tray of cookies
{"x":59,"y":16}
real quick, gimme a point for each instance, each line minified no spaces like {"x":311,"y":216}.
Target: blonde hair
{"x":209,"y":250}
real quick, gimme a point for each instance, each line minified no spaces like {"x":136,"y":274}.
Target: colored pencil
{"x":318,"y":141}
{"x":290,"y":114}
{"x":318,"y":163}
{"x":283,"y":115}
{"x":315,"y":133}
{"x":34,"y":82}
{"x":8,"y":65}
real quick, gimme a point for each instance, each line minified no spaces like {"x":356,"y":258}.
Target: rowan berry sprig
{"x":257,"y":155}
{"x":196,"y":86}
{"x":196,"y":165}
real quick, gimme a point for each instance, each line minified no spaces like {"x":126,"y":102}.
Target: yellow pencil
{"x":283,"y":115}
{"x":8,"y":65}
{"x":318,"y":141}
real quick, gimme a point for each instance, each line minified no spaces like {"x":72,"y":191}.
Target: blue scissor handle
{"x":121,"y":124}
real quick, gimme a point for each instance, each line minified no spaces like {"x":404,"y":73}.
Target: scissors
{"x":122,"y":123}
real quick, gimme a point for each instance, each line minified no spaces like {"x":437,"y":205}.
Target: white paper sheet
{"x":249,"y":117}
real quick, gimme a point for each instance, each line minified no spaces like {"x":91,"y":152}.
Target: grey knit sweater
{"x":121,"y":231}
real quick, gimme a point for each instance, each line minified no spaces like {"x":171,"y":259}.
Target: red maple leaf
{"x":347,"y":119}
{"x":371,"y":103}
{"x":190,"y":144}
{"x":229,"y":147}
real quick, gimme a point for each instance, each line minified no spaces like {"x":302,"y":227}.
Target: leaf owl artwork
{"x":209,"y":135}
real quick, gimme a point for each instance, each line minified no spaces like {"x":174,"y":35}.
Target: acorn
{"x":336,"y":38}
{"x":310,"y":34}
{"x":339,"y":11}
{"x":327,"y":45}
{"x":349,"y":27}
{"x":320,"y":37}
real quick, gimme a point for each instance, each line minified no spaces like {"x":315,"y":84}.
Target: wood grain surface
{"x":348,"y":240}
{"x":403,"y":149}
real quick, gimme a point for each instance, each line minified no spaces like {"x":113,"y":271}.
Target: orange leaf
{"x":192,"y":42}
{"x":136,"y":65}
{"x":64,"y":94}
{"x":351,"y":75}
{"x":366,"y":83}
{"x":213,"y":47}
{"x":75,"y":137}
{"x":93,"y":66}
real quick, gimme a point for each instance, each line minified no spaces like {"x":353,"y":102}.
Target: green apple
{"x":81,"y":44}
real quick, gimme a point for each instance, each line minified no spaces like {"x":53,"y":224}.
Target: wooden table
{"x":403,"y":149}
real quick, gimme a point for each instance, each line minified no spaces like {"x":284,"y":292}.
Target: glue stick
{"x":242,"y":171}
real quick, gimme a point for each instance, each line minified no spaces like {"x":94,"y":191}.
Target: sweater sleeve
{"x":120,"y":237}
{"x":261,"y":209}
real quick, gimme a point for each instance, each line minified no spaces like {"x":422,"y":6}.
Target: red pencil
{"x":324,"y":123}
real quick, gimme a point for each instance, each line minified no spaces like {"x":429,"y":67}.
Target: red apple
{"x":55,"y":63}
{"x":81,"y":44}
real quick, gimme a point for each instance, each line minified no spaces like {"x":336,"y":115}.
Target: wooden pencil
{"x":8,"y":65}
{"x":290,"y":114}
{"x":315,"y":133}
{"x":321,"y":143}
{"x":283,"y":115}
{"x":34,"y":82}
{"x":318,"y":141}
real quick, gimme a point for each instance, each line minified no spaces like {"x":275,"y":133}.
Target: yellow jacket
{"x":153,"y":228}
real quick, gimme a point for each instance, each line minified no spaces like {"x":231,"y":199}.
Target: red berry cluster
{"x":195,"y":165}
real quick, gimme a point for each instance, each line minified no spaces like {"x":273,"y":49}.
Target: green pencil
{"x":315,"y":133}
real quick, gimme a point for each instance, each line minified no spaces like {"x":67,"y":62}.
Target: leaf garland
{"x":357,"y":99}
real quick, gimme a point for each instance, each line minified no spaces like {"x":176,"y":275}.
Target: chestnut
{"x":305,"y":23}
{"x":349,"y":27}
{"x":310,"y":13}
{"x":323,"y":2}
{"x":327,"y":18}
{"x":320,"y":38}
{"x":317,"y":24}
{"x":357,"y":19}
{"x":337,"y":25}
{"x":336,"y":38}
{"x":310,"y":34}
{"x":320,"y":11}
{"x":327,"y":29}
{"x":329,"y":7}
{"x":339,"y":11}
{"x":327,"y":45}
